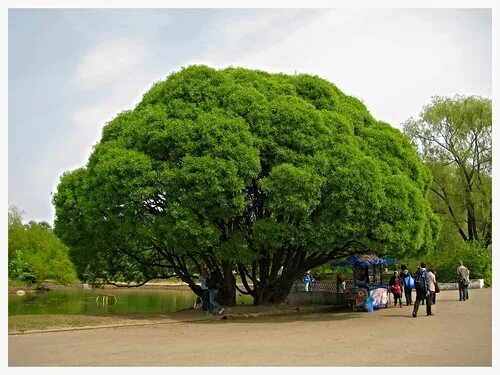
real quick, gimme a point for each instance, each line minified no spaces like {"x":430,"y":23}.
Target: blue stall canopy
{"x":359,"y":261}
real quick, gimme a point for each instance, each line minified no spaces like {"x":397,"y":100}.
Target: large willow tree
{"x":256,"y":174}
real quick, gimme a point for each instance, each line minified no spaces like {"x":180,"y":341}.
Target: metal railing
{"x":330,"y":286}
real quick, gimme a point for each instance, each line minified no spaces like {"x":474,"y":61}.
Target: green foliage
{"x":292,"y":193}
{"x":36,"y":254}
{"x":453,"y":136}
{"x":478,"y":260}
{"x":450,"y":248}
{"x":444,"y":259}
{"x":247,"y":170}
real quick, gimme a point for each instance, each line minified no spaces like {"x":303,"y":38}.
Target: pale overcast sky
{"x":72,"y":70}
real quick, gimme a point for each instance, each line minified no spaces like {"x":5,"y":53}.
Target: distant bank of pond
{"x":85,"y":301}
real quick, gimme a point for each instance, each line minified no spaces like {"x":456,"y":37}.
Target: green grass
{"x":16,"y":283}
{"x":23,"y":323}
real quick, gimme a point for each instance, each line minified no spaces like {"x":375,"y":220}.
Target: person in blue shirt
{"x":308,"y":279}
{"x":405,"y":273}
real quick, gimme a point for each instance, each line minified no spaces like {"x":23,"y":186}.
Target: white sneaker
{"x":221,"y":310}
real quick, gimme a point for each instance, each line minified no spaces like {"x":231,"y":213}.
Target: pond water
{"x":84,"y":301}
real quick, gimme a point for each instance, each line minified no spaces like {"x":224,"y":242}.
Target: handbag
{"x":410,"y":282}
{"x":437,"y":288}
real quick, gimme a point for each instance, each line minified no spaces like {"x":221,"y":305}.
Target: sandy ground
{"x":459,"y":334}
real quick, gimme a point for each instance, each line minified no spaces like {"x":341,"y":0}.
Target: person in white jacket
{"x":432,"y":285}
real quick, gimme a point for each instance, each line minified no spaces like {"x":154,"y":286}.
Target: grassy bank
{"x":23,"y":323}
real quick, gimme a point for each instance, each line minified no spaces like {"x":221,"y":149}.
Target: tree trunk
{"x":471,"y":221}
{"x":193,"y":286}
{"x":274,"y":294}
{"x":228,"y":285}
{"x":471,"y":213}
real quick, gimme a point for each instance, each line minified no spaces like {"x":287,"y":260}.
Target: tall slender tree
{"x":453,"y":136}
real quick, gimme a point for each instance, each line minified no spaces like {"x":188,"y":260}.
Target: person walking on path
{"x":432,"y":286}
{"x":463,"y":281}
{"x":405,"y":275}
{"x":213,"y":286}
{"x":396,"y":283}
{"x":436,"y":286}
{"x":307,"y":281}
{"x":422,"y":282}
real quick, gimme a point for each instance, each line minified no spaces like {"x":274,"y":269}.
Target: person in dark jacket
{"x":423,"y":290}
{"x":407,"y":290}
{"x":396,"y":283}
{"x":205,"y":296}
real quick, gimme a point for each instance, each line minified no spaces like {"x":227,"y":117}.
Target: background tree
{"x":36,"y":253}
{"x":453,"y":136}
{"x":255,"y":174}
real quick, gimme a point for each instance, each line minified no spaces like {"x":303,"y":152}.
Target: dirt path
{"x":327,"y":339}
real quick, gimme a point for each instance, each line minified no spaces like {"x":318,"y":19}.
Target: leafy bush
{"x":475,"y":257}
{"x":36,"y":253}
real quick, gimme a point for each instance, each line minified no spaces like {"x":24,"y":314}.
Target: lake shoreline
{"x":51,"y":286}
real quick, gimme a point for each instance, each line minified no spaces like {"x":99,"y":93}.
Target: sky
{"x":70,"y":71}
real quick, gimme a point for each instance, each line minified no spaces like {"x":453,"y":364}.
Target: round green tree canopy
{"x":244,"y":165}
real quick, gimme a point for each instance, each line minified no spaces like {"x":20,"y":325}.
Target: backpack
{"x":421,"y":280}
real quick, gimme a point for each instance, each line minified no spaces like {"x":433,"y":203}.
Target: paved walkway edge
{"x":204,"y":318}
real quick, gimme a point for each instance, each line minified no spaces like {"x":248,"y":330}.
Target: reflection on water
{"x":82,"y":301}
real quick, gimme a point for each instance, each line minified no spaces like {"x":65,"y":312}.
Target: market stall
{"x":366,"y":290}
